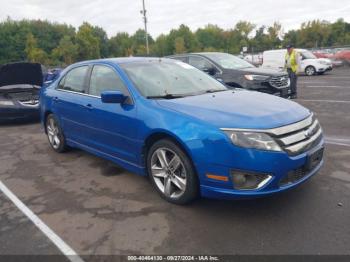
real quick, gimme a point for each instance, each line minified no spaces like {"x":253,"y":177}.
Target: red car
{"x":343,"y":55}
{"x":320,"y":54}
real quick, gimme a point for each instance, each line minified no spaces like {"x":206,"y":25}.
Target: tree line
{"x":56,"y":44}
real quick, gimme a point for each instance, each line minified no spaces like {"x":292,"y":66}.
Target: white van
{"x":309,"y":63}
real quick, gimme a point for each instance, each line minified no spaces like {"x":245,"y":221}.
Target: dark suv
{"x":236,"y":72}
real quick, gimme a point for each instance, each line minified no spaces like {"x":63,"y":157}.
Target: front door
{"x":112,"y":127}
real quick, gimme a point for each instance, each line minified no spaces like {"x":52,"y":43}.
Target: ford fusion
{"x":184,"y":129}
{"x":19,"y":91}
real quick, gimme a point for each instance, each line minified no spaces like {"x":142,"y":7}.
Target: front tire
{"x":171,"y":172}
{"x":310,"y":71}
{"x":55,"y":134}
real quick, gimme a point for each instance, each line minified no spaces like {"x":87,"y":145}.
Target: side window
{"x":61,"y":83}
{"x":74,"y":80}
{"x":180,"y":58}
{"x":199,"y":62}
{"x":104,"y":78}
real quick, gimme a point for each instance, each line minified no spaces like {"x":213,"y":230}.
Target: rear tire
{"x":171,"y":172}
{"x":55,"y":134}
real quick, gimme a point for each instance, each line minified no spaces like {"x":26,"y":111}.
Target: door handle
{"x":89,"y":106}
{"x":55,"y":99}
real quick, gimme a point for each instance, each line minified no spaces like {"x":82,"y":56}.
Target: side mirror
{"x":210,"y":70}
{"x":113,"y":97}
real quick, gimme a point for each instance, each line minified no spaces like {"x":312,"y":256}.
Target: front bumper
{"x":265,"y":87}
{"x":324,"y":69}
{"x":17,"y":113}
{"x":277,"y":164}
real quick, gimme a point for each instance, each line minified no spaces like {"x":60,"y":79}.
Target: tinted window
{"x":74,"y":80}
{"x":308,"y":55}
{"x":199,"y":62}
{"x":229,"y":61}
{"x":180,"y":58}
{"x":105,"y":79}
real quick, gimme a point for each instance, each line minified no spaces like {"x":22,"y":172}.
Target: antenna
{"x":143,"y":12}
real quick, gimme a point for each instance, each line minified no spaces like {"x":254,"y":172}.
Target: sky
{"x":163,"y":15}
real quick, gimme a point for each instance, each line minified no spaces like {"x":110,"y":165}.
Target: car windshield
{"x":170,"y":79}
{"x":308,"y":55}
{"x":229,"y":61}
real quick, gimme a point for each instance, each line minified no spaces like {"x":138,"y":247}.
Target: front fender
{"x":198,"y":138}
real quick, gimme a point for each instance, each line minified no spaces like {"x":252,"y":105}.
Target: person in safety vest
{"x":292,"y":65}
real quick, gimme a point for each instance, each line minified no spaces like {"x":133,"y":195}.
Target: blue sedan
{"x":185,"y":130}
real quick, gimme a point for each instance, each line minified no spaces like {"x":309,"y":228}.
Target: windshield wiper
{"x":167,"y":96}
{"x":211,"y":91}
{"x":215,"y":90}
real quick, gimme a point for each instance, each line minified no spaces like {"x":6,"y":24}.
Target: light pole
{"x":143,"y":12}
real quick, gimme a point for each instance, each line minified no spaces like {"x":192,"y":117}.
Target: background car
{"x":236,"y":72}
{"x":185,"y":130}
{"x":343,"y":55}
{"x":309,"y":63}
{"x":20,"y":84}
{"x":52,"y":75}
{"x":255,"y":59}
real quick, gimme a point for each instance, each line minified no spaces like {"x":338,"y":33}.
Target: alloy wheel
{"x":168,"y":172}
{"x":53,"y":133}
{"x":310,"y":71}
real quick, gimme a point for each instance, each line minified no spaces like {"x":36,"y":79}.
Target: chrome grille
{"x":280,"y":81}
{"x":295,"y":138}
{"x":299,"y":137}
{"x":33,"y":102}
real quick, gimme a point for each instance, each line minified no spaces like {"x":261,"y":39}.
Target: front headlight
{"x":6,"y":103}
{"x":256,"y":77}
{"x":253,"y":140}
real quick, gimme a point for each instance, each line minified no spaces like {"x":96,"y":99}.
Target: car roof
{"x":124,"y":60}
{"x":208,"y":53}
{"x":197,"y":53}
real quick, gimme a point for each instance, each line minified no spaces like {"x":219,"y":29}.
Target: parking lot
{"x":95,"y":207}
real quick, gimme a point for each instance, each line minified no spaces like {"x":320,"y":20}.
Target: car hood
{"x":239,"y":109}
{"x":21,"y":74}
{"x":262,"y":71}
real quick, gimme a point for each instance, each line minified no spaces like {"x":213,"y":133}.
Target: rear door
{"x":112,"y":128}
{"x":70,"y":103}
